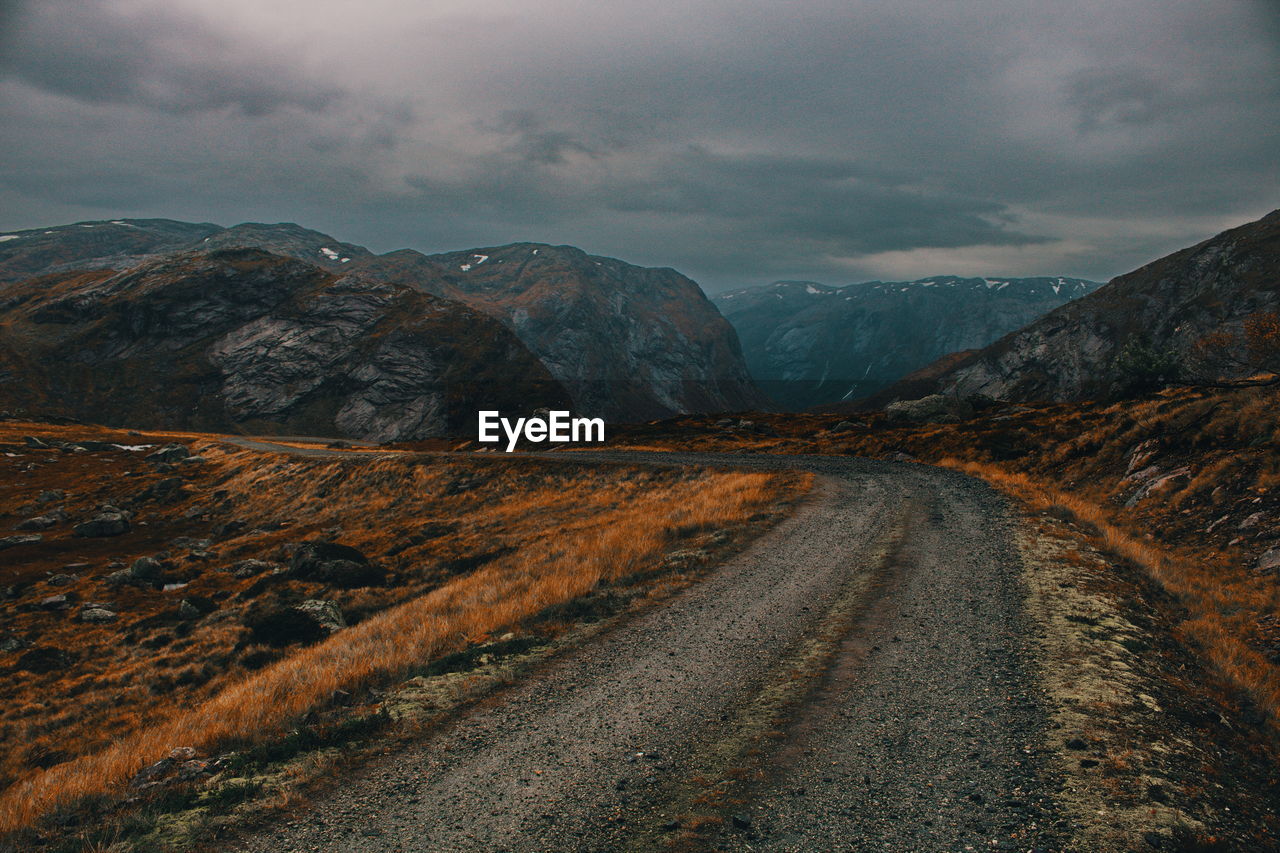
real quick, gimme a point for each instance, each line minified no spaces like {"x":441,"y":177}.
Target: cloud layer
{"x":738,"y":140}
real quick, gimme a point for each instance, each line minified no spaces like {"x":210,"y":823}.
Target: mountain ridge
{"x":811,"y":344}
{"x":629,"y":342}
{"x":1169,"y":304}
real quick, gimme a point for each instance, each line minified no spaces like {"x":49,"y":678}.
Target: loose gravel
{"x":919,"y":730}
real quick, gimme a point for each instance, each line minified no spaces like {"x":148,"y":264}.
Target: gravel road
{"x":858,"y":679}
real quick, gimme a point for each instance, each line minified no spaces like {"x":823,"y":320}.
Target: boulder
{"x":248,"y":568}
{"x":1269,"y":562}
{"x":195,"y":606}
{"x":97,"y":613}
{"x":43,"y":522}
{"x":146,"y":573}
{"x":50,"y":496}
{"x":845,"y":426}
{"x":11,"y":643}
{"x":331,"y":563}
{"x":325,"y":613}
{"x":21,"y":539}
{"x":42,"y":659}
{"x":168,"y":490}
{"x":308,"y":622}
{"x":108,"y":522}
{"x":148,"y":569}
{"x":170,"y":453}
{"x":935,"y":408}
{"x":180,"y":765}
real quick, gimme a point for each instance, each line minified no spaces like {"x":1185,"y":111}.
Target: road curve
{"x":858,"y":679}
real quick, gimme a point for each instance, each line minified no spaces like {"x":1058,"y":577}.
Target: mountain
{"x":249,"y":341}
{"x":116,"y":244}
{"x":1166,"y":306}
{"x":121,"y":243}
{"x":807,"y":344}
{"x":628,"y":342}
{"x":289,"y":240}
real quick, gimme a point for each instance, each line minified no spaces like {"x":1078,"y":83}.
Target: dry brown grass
{"x":1223,"y":605}
{"x":529,"y":535}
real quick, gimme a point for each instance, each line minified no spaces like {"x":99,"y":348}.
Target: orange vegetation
{"x":1223,"y":602}
{"x":474,"y":547}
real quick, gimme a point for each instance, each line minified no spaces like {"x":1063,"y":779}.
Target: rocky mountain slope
{"x":629,"y":342}
{"x":1163,"y":308}
{"x":116,"y":244}
{"x":808,"y":344}
{"x":246,"y":340}
{"x":121,"y":243}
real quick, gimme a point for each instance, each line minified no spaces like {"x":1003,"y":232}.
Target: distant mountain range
{"x":1164,"y":308}
{"x":808,"y":344}
{"x":276,"y":327}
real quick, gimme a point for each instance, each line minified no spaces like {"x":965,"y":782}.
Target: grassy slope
{"x":475,"y":548}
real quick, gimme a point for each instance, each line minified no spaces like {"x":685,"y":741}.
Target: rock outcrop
{"x":808,"y":344}
{"x":245,"y":340}
{"x":1169,"y":305}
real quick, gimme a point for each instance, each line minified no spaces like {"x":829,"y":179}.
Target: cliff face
{"x":808,"y":344}
{"x":245,"y":340}
{"x":1171,"y":303}
{"x":629,"y":343}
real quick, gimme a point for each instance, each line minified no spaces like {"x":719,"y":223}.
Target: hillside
{"x":1167,"y":309}
{"x":247,"y":341}
{"x":808,"y":344}
{"x":116,"y":244}
{"x":630,"y":343}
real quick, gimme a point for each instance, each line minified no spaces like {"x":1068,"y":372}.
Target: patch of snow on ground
{"x":1003,"y":286}
{"x":122,"y":222}
{"x":480,"y":259}
{"x":344,"y":260}
{"x":6,"y":237}
{"x":809,"y":288}
{"x":329,"y":253}
{"x":535,"y":251}
{"x":134,"y":447}
{"x":1057,"y":288}
{"x":465,"y":267}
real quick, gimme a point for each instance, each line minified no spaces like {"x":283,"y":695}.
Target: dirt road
{"x":856,"y":680}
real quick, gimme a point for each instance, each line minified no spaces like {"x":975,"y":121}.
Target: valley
{"x":267,"y":588}
{"x":699,"y":427}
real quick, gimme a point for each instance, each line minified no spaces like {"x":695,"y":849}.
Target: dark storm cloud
{"x":159,"y":58}
{"x":738,"y":140}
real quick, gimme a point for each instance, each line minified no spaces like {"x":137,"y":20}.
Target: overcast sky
{"x":739,"y":141}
